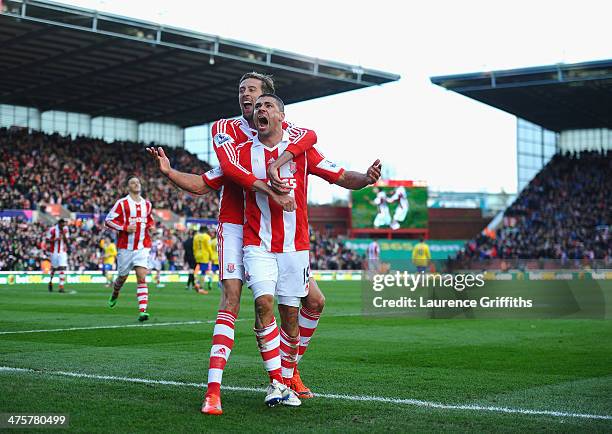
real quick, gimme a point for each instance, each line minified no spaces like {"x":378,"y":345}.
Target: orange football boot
{"x":212,"y":405}
{"x":298,"y":387}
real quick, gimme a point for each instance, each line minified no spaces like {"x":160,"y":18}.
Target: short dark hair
{"x":279,"y":101}
{"x":267,"y":82}
{"x":61,"y":221}
{"x":130,"y":176}
{"x":421,"y":239}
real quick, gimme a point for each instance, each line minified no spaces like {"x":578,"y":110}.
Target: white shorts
{"x":229,"y":248}
{"x":155,"y":264}
{"x":289,"y":273}
{"x":59,"y":259}
{"x":128,"y":259}
{"x":373,"y":265}
{"x":382,"y":219}
{"x":400,"y":214}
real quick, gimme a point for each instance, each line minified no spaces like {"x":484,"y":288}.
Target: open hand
{"x":373,"y":172}
{"x":163,"y":163}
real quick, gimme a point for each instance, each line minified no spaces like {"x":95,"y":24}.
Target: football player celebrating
{"x":276,"y":243}
{"x":131,"y":218}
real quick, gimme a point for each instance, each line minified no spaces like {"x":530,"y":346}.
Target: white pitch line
{"x":413,"y":402}
{"x":106,"y":327}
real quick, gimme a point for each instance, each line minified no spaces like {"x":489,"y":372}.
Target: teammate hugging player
{"x":230,"y":234}
{"x":276,"y":252}
{"x":131,"y":218}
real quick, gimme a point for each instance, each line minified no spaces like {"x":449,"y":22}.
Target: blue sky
{"x":418,"y":130}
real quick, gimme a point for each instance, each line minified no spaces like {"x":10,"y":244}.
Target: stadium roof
{"x":557,"y":97}
{"x":59,"y":57}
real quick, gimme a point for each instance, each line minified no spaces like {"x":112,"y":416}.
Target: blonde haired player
{"x":131,"y":218}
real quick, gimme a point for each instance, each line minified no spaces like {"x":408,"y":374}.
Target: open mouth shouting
{"x":247,"y":106}
{"x":262,"y":122}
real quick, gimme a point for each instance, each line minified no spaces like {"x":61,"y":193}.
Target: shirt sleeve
{"x":115,"y":219}
{"x":224,"y":141}
{"x":304,"y":140}
{"x":320,"y":166}
{"x":214,"y":178}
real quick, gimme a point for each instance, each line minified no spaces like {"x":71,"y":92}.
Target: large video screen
{"x":390,"y":205}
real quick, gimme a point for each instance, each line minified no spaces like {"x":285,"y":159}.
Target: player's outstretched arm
{"x":185,"y":181}
{"x":356,"y":181}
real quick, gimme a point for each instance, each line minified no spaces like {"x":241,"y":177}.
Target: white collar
{"x":285,"y":139}
{"x":133,"y":201}
{"x":245,"y":127}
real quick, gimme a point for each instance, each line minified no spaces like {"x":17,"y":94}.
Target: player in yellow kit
{"x":202,"y":250}
{"x":215,"y":257}
{"x":110,"y":254}
{"x":421,"y":256}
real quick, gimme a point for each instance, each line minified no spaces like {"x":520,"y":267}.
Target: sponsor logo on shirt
{"x":138,"y":220}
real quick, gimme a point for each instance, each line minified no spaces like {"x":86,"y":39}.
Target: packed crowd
{"x":88,"y":175}
{"x":23,"y":247}
{"x":330,"y":253}
{"x":564,"y":214}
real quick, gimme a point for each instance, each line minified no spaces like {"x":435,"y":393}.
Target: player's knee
{"x":315,"y":302}
{"x":264,"y":308}
{"x":231,"y":302}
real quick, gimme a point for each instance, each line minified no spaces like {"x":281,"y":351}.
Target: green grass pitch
{"x":544,"y":365}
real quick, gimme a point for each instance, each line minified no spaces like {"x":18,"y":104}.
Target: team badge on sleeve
{"x":222,"y":139}
{"x":325,"y":164}
{"x":214,"y":173}
{"x":292,"y":167}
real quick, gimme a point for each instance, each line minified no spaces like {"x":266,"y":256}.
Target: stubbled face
{"x":248,"y":92}
{"x":267,"y":116}
{"x":134,"y":186}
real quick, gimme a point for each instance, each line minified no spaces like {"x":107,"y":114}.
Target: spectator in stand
{"x":330,"y":253}
{"x":82,"y":174}
{"x":563,"y":214}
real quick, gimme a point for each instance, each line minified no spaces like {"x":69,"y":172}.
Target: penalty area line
{"x":411,"y":402}
{"x":161,"y":324}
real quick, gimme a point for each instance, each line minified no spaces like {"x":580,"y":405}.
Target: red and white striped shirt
{"x":373,"y":251}
{"x":266,"y":224}
{"x":229,"y":133}
{"x":56,"y":241}
{"x":125,"y":212}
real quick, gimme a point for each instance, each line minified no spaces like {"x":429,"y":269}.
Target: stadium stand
{"x":563,"y":214}
{"x":87,"y":175}
{"x":330,"y":253}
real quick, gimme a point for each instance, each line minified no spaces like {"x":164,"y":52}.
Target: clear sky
{"x":418,"y":130}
